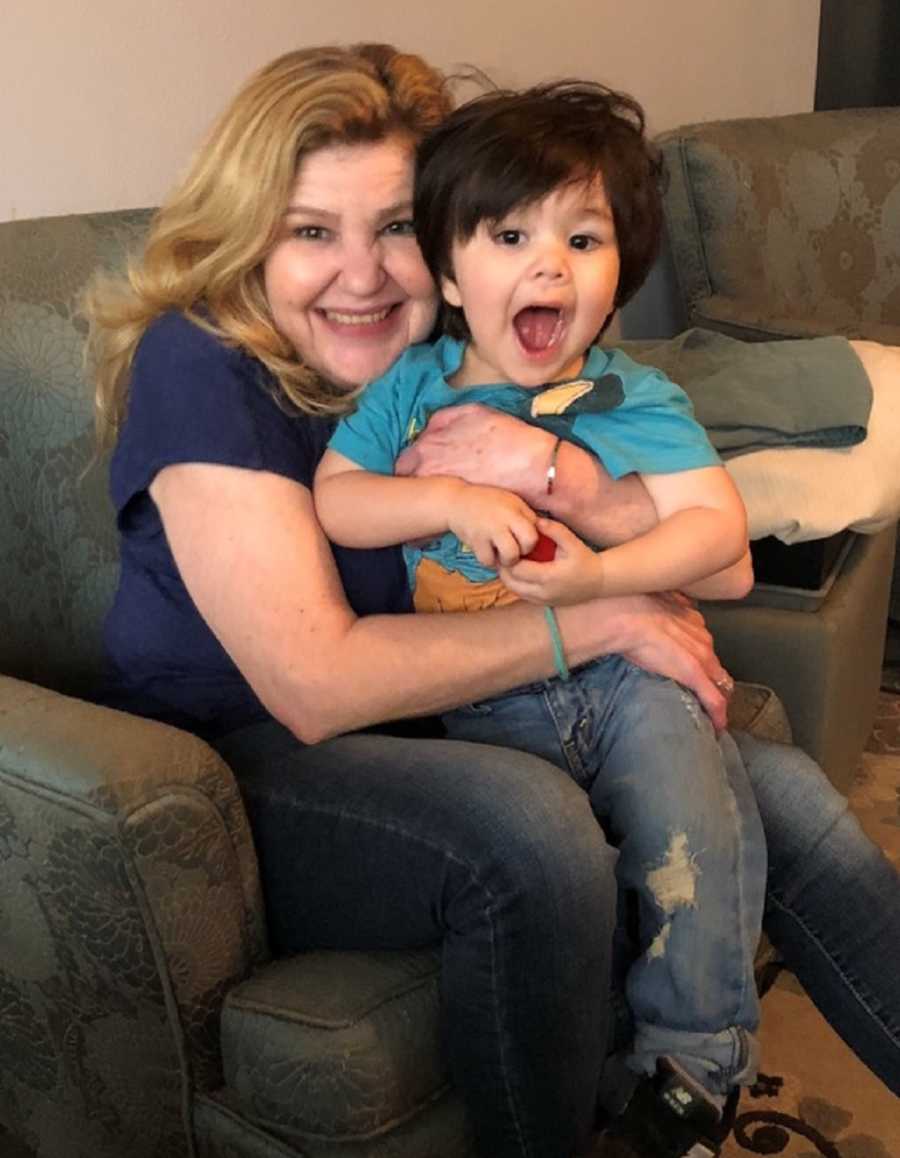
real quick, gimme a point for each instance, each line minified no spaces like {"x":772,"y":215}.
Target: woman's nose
{"x":362,"y":269}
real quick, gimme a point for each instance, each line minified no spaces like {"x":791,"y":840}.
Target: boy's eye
{"x":508,"y":237}
{"x":310,"y":232}
{"x":583,"y":241}
{"x":400,"y":229}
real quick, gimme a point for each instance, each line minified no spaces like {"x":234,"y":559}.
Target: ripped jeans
{"x":678,"y":805}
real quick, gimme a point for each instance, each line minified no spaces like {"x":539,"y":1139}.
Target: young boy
{"x":538,"y":214}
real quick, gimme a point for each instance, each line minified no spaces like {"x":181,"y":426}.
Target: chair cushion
{"x":335,"y":1045}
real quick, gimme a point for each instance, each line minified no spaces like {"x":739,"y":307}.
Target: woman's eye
{"x":400,"y":229}
{"x":508,"y":237}
{"x":310,"y":232}
{"x":583,"y":241}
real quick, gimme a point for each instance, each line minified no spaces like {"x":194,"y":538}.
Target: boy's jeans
{"x":691,"y":849}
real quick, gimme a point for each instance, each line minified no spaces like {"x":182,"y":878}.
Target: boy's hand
{"x":497,"y":526}
{"x":572,"y":576}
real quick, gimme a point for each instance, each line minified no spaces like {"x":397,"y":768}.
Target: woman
{"x":280,"y":277}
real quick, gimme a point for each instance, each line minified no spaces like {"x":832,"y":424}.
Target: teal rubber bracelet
{"x":559,"y":655}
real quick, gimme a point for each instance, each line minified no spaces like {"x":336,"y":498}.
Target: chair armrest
{"x":129,"y":904}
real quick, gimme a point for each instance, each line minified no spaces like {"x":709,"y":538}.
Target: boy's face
{"x":536,"y":288}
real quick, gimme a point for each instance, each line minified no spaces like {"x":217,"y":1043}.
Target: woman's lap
{"x":367,"y":808}
{"x":314,"y":811}
{"x":374,"y":842}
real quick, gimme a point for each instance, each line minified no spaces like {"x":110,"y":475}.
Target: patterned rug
{"x":814,"y":1098}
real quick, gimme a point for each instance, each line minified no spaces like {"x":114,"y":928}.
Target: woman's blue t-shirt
{"x":193,"y":399}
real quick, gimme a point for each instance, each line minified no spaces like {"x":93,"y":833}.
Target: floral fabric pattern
{"x":788,"y":226}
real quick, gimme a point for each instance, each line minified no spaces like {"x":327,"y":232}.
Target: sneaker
{"x":670,"y":1115}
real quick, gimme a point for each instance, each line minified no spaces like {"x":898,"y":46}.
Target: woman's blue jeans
{"x":832,"y":902}
{"x":677,"y":805}
{"x":378,"y":842}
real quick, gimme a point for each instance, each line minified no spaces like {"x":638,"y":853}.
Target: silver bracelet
{"x":551,"y":469}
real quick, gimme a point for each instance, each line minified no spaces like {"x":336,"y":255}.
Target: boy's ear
{"x":450,"y":292}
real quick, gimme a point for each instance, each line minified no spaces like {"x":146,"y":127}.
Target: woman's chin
{"x":350,"y":372}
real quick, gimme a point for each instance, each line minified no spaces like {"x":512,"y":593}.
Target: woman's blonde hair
{"x":207,"y":243}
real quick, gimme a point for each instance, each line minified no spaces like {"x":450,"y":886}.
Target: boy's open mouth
{"x":538,"y":328}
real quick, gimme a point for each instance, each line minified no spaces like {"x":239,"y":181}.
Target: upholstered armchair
{"x":789,"y":227}
{"x":141,"y":1012}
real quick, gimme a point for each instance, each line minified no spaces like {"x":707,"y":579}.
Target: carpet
{"x":814,"y":1097}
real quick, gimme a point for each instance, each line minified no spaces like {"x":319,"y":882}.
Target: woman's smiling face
{"x":345,"y":281}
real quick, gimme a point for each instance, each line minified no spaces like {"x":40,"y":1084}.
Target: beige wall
{"x":103,"y":100}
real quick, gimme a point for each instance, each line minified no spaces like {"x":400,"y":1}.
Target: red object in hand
{"x":544,"y":550}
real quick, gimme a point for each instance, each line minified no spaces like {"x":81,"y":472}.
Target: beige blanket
{"x":808,"y":493}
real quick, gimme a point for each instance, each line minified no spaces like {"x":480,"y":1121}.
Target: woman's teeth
{"x":357,"y":319}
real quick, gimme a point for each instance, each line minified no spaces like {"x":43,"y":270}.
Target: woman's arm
{"x":259,"y":569}
{"x":490,"y":448}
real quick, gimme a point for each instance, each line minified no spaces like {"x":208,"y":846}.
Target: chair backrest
{"x":788,"y":225}
{"x":56,"y":524}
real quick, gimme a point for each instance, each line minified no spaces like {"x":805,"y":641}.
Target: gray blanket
{"x":753,"y":395}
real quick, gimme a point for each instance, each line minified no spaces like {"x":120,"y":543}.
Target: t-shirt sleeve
{"x":194,"y":399}
{"x":374,"y":434}
{"x":653,"y":430}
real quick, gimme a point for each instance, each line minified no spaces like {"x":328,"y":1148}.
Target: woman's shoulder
{"x":194,"y":398}
{"x":175,"y":340}
{"x":182,"y":371}
{"x":182,"y":366}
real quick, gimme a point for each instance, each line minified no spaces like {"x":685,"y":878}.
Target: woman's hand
{"x":672,"y":640}
{"x":496,"y":525}
{"x":666,"y":635}
{"x":482,"y":446}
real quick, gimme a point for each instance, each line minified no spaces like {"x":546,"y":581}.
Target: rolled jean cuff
{"x":719,"y":1061}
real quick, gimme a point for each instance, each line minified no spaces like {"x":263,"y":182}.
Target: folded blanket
{"x":799,"y":493}
{"x":751,"y":395}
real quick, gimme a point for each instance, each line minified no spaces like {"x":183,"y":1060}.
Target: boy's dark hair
{"x":509,"y":149}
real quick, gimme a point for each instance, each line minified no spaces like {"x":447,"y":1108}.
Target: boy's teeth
{"x":357,"y":319}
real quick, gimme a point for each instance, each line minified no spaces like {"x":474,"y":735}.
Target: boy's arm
{"x":358,"y":508}
{"x":702,"y":532}
{"x":610,"y":512}
{"x":730,"y":583}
